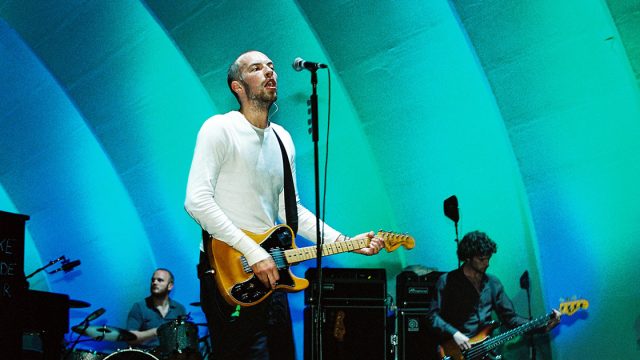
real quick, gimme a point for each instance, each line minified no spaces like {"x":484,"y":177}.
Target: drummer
{"x":147,"y":315}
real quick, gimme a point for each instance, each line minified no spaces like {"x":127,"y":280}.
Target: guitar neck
{"x":533,"y":324}
{"x":309,"y":252}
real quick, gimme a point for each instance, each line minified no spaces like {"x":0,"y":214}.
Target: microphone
{"x":451,"y":208}
{"x":67,"y":267}
{"x":94,"y":315}
{"x":299,"y":64}
{"x":524,"y":280}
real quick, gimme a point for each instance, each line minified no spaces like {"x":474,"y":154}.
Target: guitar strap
{"x":290,"y":203}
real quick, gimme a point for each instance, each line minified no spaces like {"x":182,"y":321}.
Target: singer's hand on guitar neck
{"x":375,"y":245}
{"x":267,"y":271}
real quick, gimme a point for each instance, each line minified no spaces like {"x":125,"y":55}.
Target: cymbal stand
{"x":206,"y":352}
{"x":84,"y":322}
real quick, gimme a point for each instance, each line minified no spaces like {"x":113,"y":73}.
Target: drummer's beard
{"x":159,"y":291}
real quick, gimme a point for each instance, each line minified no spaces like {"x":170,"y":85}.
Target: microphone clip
{"x":61,"y":258}
{"x":67,"y":266}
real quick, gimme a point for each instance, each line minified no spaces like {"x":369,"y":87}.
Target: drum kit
{"x":178,"y":340}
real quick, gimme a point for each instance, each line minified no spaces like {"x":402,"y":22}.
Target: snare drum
{"x":131,"y":354}
{"x":178,"y":337}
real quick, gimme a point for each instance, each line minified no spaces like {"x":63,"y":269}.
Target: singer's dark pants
{"x":259,"y":332}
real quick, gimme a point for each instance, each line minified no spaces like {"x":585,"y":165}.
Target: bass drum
{"x":131,"y":354}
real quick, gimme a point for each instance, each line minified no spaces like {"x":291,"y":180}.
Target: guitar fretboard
{"x":309,"y":252}
{"x":533,"y":324}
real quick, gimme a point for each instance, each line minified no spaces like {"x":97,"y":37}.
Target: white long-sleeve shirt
{"x":236,"y":182}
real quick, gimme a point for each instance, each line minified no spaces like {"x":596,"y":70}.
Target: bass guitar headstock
{"x":572,"y":306}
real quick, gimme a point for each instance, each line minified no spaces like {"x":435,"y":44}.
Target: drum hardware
{"x":131,"y":354}
{"x":84,"y":329}
{"x":85,"y":355}
{"x":107,"y":333}
{"x":78,"y":304}
{"x":178,"y":337}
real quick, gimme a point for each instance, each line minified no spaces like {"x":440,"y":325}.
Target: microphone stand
{"x":61,"y":258}
{"x":26,"y":284}
{"x":455,"y":224}
{"x":525,"y":284}
{"x":317,"y":315}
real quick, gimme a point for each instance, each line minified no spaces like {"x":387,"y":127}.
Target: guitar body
{"x":237,"y":283}
{"x":452,"y":350}
{"x":239,"y":286}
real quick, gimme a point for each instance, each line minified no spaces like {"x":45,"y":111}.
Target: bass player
{"x":466,"y":297}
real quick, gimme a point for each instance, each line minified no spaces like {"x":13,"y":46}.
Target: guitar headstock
{"x":572,"y":306}
{"x":394,"y":240}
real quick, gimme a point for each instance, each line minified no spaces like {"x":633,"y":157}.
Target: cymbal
{"x":197,"y":303}
{"x":78,"y":304}
{"x":108,"y":333}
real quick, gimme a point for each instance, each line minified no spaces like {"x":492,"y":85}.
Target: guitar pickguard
{"x":252,"y":289}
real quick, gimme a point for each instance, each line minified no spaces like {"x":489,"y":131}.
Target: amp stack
{"x":353,"y":316}
{"x":415,"y":288}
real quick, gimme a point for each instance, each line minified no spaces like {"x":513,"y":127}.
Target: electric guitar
{"x":239,"y":286}
{"x":482,"y":343}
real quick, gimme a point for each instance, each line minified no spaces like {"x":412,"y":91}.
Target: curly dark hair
{"x":476,"y":243}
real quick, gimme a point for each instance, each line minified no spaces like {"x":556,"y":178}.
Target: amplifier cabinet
{"x":348,"y":286}
{"x":415,"y":339}
{"x":415,"y":291}
{"x":348,"y":332}
{"x":13,"y":285}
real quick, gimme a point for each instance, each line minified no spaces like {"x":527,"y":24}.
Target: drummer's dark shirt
{"x":144,"y":316}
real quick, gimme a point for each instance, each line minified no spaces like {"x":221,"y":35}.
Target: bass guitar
{"x":239,"y":286}
{"x":482,"y":343}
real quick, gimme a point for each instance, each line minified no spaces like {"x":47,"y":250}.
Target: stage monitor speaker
{"x":415,"y":339}
{"x":348,"y":332}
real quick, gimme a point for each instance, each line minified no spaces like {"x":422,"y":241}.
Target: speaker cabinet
{"x":348,"y":332}
{"x":348,"y":286}
{"x":415,"y":340}
{"x":12,"y":283}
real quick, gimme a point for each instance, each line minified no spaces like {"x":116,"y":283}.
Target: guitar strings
{"x":481,"y":349}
